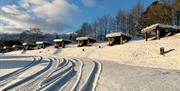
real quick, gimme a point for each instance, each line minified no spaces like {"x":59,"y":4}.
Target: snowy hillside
{"x":139,"y":53}
{"x":134,"y":66}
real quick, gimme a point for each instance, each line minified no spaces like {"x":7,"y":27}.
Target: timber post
{"x":88,"y":43}
{"x":63,"y":46}
{"x":158,"y":34}
{"x":55,"y":43}
{"x":78,"y":43}
{"x":121,"y":40}
{"x":162,"y":51}
{"x":146,"y":36}
{"x":44,"y":46}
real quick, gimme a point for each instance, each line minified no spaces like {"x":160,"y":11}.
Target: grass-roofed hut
{"x":85,"y":41}
{"x":17,"y":47}
{"x":117,"y":38}
{"x":28,"y":46}
{"x":61,"y":42}
{"x":42,"y":44}
{"x":157,"y":31}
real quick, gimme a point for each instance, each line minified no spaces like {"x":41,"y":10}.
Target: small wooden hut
{"x":117,"y":38}
{"x":42,"y":44}
{"x":7,"y":49}
{"x":28,"y":46}
{"x":17,"y":47}
{"x":61,"y":42}
{"x":85,"y":41}
{"x":157,"y":31}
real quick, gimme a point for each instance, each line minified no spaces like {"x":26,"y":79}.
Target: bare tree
{"x":31,"y":36}
{"x":176,"y":12}
{"x":121,"y":21}
{"x":104,"y":26}
{"x":94,"y":27}
{"x":85,"y":30}
{"x":130,"y":25}
{"x":134,"y":18}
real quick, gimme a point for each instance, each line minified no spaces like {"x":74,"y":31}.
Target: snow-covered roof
{"x":42,"y":42}
{"x":60,"y":40}
{"x":154,"y":26}
{"x":27,"y":44}
{"x":115,"y":34}
{"x":24,"y":43}
{"x":6,"y":47}
{"x":16,"y":46}
{"x":85,"y":38}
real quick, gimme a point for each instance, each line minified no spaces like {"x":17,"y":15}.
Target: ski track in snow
{"x":60,"y":74}
{"x":11,"y":76}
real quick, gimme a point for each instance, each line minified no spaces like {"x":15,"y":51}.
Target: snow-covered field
{"x":134,"y":66}
{"x":17,"y":62}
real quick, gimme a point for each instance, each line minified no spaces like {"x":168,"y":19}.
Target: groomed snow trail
{"x":11,"y":76}
{"x":61,"y":74}
{"x":91,"y":82}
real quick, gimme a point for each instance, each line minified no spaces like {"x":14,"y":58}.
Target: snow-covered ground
{"x":10,"y":63}
{"x":138,"y":53}
{"x":134,"y":66}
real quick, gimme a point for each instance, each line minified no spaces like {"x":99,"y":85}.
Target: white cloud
{"x":11,"y":9}
{"x":89,"y":3}
{"x":11,"y":30}
{"x":49,"y":15}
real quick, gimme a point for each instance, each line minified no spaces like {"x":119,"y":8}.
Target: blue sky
{"x":57,"y":16}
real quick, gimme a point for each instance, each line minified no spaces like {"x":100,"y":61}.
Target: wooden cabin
{"x":17,"y":47}
{"x":42,"y":44}
{"x":61,"y":42}
{"x":85,"y":41}
{"x":7,"y":49}
{"x":117,"y":38}
{"x":157,"y":31}
{"x":28,"y":46}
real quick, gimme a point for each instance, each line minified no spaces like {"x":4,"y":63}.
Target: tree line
{"x":31,"y":35}
{"x":132,"y":22}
